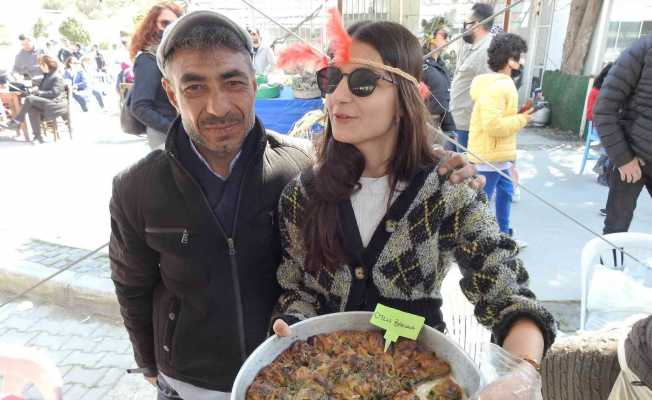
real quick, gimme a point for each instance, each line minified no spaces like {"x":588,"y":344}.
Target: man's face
{"x":213,"y":90}
{"x":255,"y":38}
{"x":439,"y":39}
{"x":27,"y":45}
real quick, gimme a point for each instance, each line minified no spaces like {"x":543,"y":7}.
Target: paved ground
{"x":91,"y":352}
{"x":549,"y":167}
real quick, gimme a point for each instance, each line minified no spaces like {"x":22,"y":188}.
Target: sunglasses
{"x":362,"y":81}
{"x":467,"y":25}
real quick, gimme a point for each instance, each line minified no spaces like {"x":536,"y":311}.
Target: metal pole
{"x":476,"y":26}
{"x":507,"y":15}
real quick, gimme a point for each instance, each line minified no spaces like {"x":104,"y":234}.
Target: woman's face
{"x":363,"y":120}
{"x":165,"y":18}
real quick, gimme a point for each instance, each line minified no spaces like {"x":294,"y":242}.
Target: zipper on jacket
{"x":185,"y":234}
{"x":231,"y":245}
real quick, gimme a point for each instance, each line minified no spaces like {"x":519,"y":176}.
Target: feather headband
{"x":302,"y":54}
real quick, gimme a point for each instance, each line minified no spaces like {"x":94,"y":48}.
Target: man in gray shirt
{"x":473,"y":62}
{"x":26,"y":63}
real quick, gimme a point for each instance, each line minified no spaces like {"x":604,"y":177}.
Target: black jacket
{"x":149,"y":103}
{"x":435,"y":76}
{"x":195,"y":302}
{"x":53,"y":88}
{"x":623,"y":111}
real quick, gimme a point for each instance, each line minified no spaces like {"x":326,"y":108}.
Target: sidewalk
{"x":91,"y":353}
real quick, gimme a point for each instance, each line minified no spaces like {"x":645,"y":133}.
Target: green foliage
{"x":90,"y":8}
{"x":56,"y":5}
{"x":74,"y":31}
{"x":40,"y":28}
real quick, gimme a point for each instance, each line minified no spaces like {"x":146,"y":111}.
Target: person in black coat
{"x":44,"y":103}
{"x":436,"y":77}
{"x":623,"y":118}
{"x":148,"y":102}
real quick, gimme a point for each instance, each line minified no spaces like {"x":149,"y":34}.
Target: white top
{"x":264,"y":60}
{"x":499,"y":165}
{"x":370,"y":204}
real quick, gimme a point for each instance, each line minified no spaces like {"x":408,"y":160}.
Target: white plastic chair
{"x":461,"y":324}
{"x":20,"y":366}
{"x":614,"y":286}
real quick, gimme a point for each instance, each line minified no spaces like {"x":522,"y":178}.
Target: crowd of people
{"x":226,"y":231}
{"x":42,"y":76}
{"x":375,"y":217}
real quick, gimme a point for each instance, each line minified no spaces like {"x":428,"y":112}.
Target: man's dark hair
{"x":22,"y":37}
{"x":503,"y":47}
{"x":209,"y":37}
{"x":481,"y":11}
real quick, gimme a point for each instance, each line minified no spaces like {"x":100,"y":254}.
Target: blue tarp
{"x":281,"y":113}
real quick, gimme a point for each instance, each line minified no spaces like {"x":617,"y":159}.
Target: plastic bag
{"x":505,"y":377}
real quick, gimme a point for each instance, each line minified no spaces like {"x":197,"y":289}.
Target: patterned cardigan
{"x":431,"y":224}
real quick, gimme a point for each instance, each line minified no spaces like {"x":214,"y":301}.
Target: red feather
{"x":424,"y":91}
{"x":300,"y":55}
{"x":340,"y":40}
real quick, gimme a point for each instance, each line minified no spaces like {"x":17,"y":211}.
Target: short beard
{"x":222,"y":152}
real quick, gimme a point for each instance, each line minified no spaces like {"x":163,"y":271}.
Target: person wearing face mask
{"x":473,"y":62}
{"x":149,"y":103}
{"x":495,"y":122}
{"x":264,"y":59}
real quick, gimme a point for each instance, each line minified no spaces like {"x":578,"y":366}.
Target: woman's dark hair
{"x":503,"y":47}
{"x":51,"y":62}
{"x":599,"y":80}
{"x":147,"y":32}
{"x":340,"y":165}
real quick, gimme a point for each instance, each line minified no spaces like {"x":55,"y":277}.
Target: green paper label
{"x":396,"y":323}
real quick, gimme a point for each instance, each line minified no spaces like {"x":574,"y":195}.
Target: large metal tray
{"x":464,"y":370}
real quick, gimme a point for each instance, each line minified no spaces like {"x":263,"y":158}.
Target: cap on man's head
{"x":179,"y":29}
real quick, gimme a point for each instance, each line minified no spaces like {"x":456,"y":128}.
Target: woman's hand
{"x":281,"y":328}
{"x":461,"y":167}
{"x":522,"y":383}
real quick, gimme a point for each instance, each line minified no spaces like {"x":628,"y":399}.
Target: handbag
{"x":128,"y":122}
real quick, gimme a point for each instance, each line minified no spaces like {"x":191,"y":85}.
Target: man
{"x":194,"y":240}
{"x":435,"y":76}
{"x":26,"y":62}
{"x":77,"y":51}
{"x":473,"y":63}
{"x":263,"y":56}
{"x":100,"y":62}
{"x":64,"y":52}
{"x":623,"y":119}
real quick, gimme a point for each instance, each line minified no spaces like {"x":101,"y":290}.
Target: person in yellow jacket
{"x":495,"y":121}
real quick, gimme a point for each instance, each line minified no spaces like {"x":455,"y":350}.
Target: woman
{"x":79,"y":82}
{"x":373,"y":222}
{"x":45,"y":102}
{"x":149,"y":103}
{"x":495,"y":122}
